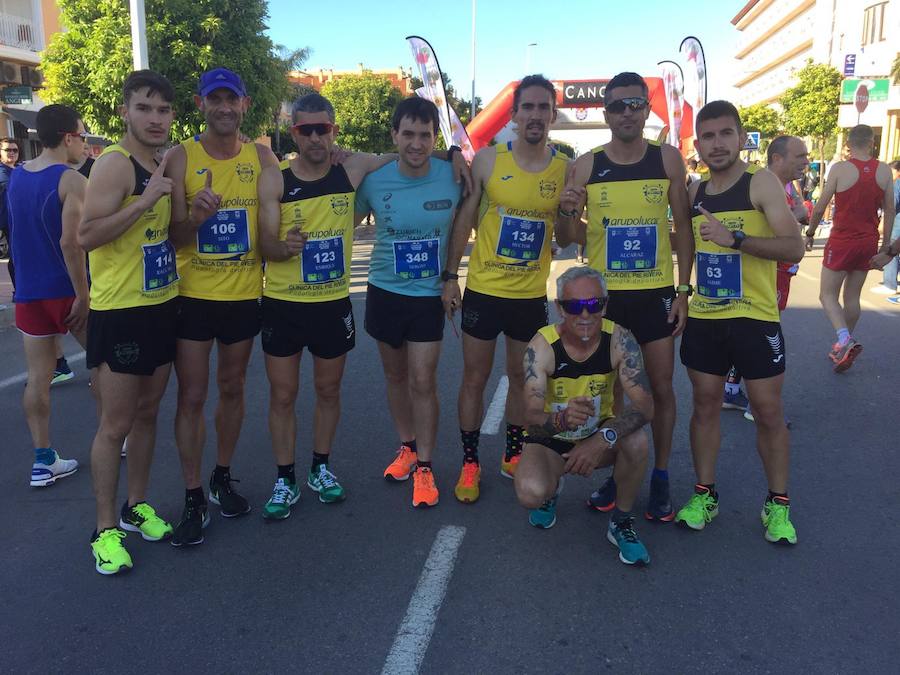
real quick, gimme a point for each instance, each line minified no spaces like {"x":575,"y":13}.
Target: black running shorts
{"x":756,"y":348}
{"x":325,"y":328}
{"x":486,"y":316}
{"x":393,"y":318}
{"x":228,"y":321}
{"x":644,"y":312}
{"x":133,"y":341}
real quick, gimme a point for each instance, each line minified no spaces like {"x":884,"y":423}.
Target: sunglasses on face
{"x":576,"y":307}
{"x":635,"y":103}
{"x":14,"y":151}
{"x":320,"y":129}
{"x":81,"y":134}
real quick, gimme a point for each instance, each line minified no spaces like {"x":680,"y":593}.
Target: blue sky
{"x":576,"y":39}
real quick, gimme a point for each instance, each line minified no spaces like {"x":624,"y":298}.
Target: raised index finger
{"x":208,"y":179}
{"x":710,"y":217}
{"x":161,"y":167}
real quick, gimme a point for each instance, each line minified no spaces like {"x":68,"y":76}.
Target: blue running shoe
{"x":545,"y":516}
{"x":622,"y":536}
{"x":659,"y":505}
{"x":738,"y":401}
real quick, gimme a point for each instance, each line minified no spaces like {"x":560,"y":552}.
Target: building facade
{"x":861,"y":38}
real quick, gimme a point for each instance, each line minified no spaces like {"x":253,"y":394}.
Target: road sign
{"x":752,"y":141}
{"x":861,"y":99}
{"x":16,"y":95}
{"x":878,"y":89}
{"x":849,"y":65}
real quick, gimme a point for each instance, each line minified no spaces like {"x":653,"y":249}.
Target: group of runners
{"x":216,"y":241}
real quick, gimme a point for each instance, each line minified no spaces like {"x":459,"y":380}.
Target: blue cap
{"x":221,"y":78}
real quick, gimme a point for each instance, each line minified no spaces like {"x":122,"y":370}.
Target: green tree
{"x":811,"y":107}
{"x":760,"y":117}
{"x":84,"y":65}
{"x":363,"y":105}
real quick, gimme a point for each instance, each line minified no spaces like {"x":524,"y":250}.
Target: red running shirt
{"x":856,"y":209}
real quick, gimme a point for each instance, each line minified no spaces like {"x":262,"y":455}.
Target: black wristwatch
{"x":739,"y":237}
{"x":446,"y":276}
{"x":451,"y":150}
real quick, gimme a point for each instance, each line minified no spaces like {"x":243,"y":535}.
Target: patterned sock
{"x":515,"y":439}
{"x":470,"y":445}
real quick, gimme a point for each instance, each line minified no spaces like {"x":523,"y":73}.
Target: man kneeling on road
{"x":570,"y":370}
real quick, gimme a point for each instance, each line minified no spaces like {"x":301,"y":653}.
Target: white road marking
{"x":23,"y":377}
{"x":417,"y":627}
{"x":496,"y":409}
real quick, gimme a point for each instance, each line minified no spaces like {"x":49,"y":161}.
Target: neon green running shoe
{"x":776,"y":519}
{"x":284,"y":495}
{"x":142,"y":518}
{"x":110,"y":556}
{"x":325,"y":483}
{"x":700,"y":510}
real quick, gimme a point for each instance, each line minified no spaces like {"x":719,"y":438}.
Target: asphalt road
{"x":327,"y":590}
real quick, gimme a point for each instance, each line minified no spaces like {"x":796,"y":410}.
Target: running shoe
{"x":738,"y":401}
{"x":622,"y":536}
{"x":189,"y":531}
{"x":224,"y":496}
{"x":508,"y":468}
{"x":142,"y":518}
{"x":284,"y":495}
{"x":847,"y":355}
{"x":43,"y":474}
{"x":110,"y":557}
{"x":425,"y":492}
{"x":545,"y":516}
{"x":467,"y":487}
{"x":776,"y":519}
{"x":659,"y":505}
{"x":894,"y":300}
{"x":402,"y":466}
{"x":604,"y":497}
{"x":749,"y":415}
{"x":62,"y":372}
{"x":324,"y":482}
{"x":701,"y":508}
{"x":881,"y":289}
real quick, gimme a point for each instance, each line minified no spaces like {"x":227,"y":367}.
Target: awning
{"x":28,"y":118}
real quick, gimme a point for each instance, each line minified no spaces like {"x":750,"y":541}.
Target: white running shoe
{"x":881,"y":289}
{"x":43,"y":475}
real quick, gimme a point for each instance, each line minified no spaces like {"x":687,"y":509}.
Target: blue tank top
{"x":35,"y":223}
{"x":413,"y":217}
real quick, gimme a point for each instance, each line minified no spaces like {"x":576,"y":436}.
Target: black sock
{"x":515,"y":439}
{"x":733,"y":377}
{"x":422,"y":464}
{"x":221,"y":474}
{"x":470,"y":445}
{"x":410,"y":444}
{"x":700,"y":488}
{"x":286,"y":471}
{"x":61,"y":363}
{"x":618,"y":515}
{"x":780,"y":496}
{"x":194,"y":496}
{"x":319,"y":459}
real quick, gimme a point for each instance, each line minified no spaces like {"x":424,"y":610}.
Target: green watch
{"x":684,"y":288}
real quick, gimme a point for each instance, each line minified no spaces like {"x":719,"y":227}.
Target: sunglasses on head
{"x":635,"y":103}
{"x":576,"y":307}
{"x":320,"y":128}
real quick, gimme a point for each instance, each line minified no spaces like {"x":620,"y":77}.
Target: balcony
{"x":19,"y":32}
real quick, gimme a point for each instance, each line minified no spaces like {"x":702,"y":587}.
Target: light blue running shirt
{"x":413,"y":217}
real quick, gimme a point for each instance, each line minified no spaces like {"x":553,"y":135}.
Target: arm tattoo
{"x":632,"y":368}
{"x":545,"y":430}
{"x":530,"y":373}
{"x":628,"y":422}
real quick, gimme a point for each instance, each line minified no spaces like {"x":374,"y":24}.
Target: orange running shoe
{"x":835,"y":352}
{"x":508,"y":469}
{"x":466,"y":489}
{"x":403,"y":465}
{"x":845,"y":357}
{"x":425,"y":492}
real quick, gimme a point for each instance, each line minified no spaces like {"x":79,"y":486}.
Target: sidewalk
{"x":7,"y":313}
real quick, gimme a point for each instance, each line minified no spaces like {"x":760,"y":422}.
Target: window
{"x":873,"y":24}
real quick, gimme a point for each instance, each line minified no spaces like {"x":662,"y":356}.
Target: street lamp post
{"x":139,"y":35}
{"x":528,"y":57}
{"x":472,"y":107}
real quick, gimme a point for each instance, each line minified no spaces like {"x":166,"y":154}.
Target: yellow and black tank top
{"x":323,"y":209}
{"x":137,"y":269}
{"x":593,"y":377}
{"x":731,"y":284}
{"x":223,"y":262}
{"x":628,"y":226}
{"x":511,"y":258}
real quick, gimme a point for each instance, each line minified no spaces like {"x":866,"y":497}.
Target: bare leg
{"x":659,"y":358}
{"x":537,"y":475}
{"x":192,"y":369}
{"x":142,"y":434}
{"x":284,"y":381}
{"x":478,"y":360}
{"x":515,"y":399}
{"x":396,"y":377}
{"x":423,"y":360}
{"x":706,"y":436}
{"x":772,"y":436}
{"x":852,"y":288}
{"x":829,"y":289}
{"x":40,"y":356}
{"x":327,"y":374}
{"x":230,"y":375}
{"x":630,"y":467}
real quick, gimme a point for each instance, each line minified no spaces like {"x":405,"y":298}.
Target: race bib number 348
{"x":226,"y":232}
{"x":417,"y":259}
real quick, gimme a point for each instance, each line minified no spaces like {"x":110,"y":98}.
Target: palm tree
{"x":895,"y":69}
